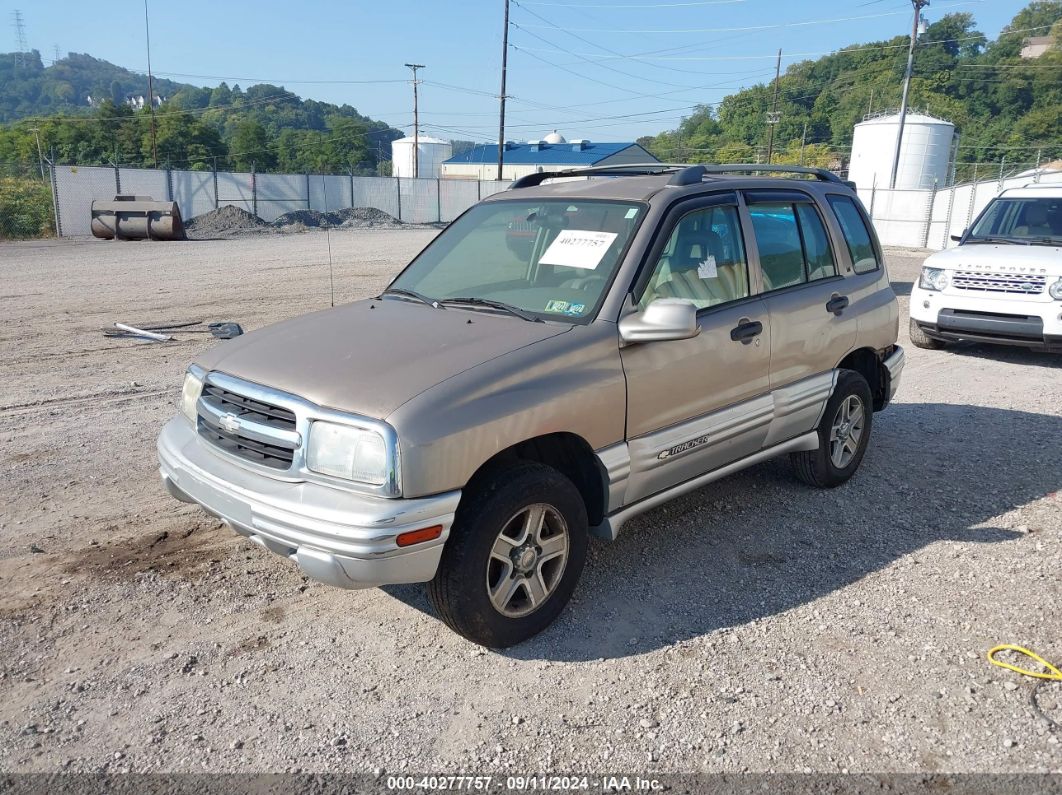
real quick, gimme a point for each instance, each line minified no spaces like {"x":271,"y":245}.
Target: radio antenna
{"x":328,"y":240}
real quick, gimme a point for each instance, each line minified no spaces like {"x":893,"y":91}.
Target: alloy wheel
{"x":527,"y":560}
{"x":846,"y":431}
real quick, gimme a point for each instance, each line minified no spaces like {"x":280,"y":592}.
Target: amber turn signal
{"x":419,"y":536}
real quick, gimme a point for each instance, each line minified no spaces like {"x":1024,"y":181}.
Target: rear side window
{"x":856,"y":234}
{"x":778,"y":240}
{"x":794,"y":247}
{"x":816,"y":244}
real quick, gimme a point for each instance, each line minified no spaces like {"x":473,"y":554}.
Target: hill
{"x":80,"y":106}
{"x":1003,"y":106}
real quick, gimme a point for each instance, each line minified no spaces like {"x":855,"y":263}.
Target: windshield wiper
{"x":1047,"y":240}
{"x":412,"y":294}
{"x":1010,"y":240}
{"x":490,"y":302}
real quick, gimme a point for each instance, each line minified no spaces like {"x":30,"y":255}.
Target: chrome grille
{"x":1019,"y":283}
{"x":258,"y":432}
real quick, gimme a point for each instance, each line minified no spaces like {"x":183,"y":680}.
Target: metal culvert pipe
{"x":136,"y":218}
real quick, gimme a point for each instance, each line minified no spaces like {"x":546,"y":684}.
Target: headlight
{"x":193,"y":388}
{"x":349,"y":453}
{"x":1055,"y":290}
{"x":933,"y":279}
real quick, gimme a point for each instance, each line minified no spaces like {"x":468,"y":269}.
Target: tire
{"x":921,"y":340}
{"x":487,"y":547}
{"x":823,"y":467}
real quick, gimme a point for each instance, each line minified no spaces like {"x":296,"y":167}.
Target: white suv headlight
{"x":1055,"y":290}
{"x":343,"y":451}
{"x":193,"y":388}
{"x":933,"y":279}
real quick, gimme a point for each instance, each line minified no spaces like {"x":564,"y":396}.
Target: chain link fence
{"x":269,"y":196}
{"x":26,"y":209}
{"x":928,"y":218}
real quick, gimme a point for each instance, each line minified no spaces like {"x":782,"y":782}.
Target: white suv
{"x":1003,"y":282}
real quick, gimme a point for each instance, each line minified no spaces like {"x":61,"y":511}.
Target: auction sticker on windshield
{"x":578,"y":248}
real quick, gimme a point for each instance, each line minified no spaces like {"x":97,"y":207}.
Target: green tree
{"x":252,"y":147}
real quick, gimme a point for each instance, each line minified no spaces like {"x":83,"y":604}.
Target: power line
{"x":600,"y":47}
{"x":739,"y":29}
{"x":793,"y":55}
{"x":620,"y":7}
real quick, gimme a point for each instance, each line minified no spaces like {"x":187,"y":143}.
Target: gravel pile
{"x":224,"y":220}
{"x":351,"y":217}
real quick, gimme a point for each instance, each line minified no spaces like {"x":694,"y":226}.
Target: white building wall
{"x":632,"y":154}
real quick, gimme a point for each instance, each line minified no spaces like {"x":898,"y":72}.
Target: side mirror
{"x":663,"y":319}
{"x":957,"y":238}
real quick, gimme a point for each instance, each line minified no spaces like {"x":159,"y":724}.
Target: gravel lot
{"x":755,"y":625}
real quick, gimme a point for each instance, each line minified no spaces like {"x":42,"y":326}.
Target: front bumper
{"x":1002,"y":320}
{"x":335,"y":536}
{"x":894,"y":363}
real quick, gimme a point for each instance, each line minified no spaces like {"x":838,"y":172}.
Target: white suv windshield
{"x":549,"y":259}
{"x":1033,"y":220}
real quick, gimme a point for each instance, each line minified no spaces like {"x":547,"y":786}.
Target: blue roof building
{"x":551,"y":154}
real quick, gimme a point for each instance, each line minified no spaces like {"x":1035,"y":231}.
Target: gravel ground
{"x":755,"y":625}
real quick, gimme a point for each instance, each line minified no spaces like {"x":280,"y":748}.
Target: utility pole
{"x":774,"y":116}
{"x":803,"y":142}
{"x":416,"y":121}
{"x":501,"y":96}
{"x":918,"y":6}
{"x":151,"y":88}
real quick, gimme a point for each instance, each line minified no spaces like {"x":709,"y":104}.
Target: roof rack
{"x":618,"y":170}
{"x":729,"y":168}
{"x":684,"y":173}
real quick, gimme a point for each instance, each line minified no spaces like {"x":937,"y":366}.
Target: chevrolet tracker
{"x":660,"y":327}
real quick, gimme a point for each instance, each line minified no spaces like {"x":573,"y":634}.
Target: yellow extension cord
{"x":1052,"y":672}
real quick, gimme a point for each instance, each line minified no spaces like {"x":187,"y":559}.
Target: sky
{"x":594,"y":69}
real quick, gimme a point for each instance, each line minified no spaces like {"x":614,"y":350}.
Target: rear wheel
{"x":921,"y":340}
{"x":514,"y":556}
{"x":844,"y":432}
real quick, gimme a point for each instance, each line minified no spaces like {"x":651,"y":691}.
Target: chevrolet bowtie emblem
{"x":230,"y":422}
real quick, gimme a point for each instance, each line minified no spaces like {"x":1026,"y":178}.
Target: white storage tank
{"x":924,"y":157}
{"x":433,"y":152}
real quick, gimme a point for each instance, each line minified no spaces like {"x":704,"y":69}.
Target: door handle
{"x":746,"y":330}
{"x":837,"y":304}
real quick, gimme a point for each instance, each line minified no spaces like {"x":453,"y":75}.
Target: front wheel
{"x":844,"y":432}
{"x":514,"y":556}
{"x":922,"y":340}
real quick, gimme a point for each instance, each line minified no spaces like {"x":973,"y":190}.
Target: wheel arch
{"x":868,"y":363}
{"x":568,"y":453}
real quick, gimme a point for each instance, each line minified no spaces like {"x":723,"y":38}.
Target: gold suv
{"x":658,"y":328}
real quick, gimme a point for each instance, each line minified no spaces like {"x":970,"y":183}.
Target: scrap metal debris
{"x":162,"y":332}
{"x":133,"y":331}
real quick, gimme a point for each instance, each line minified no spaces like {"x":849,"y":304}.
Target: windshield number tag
{"x":578,"y":248}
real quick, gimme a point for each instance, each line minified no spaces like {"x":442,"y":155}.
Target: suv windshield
{"x":1035,"y":220}
{"x":549,"y":259}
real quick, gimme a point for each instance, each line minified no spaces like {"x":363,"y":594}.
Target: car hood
{"x":372,"y":356}
{"x":996,"y":257}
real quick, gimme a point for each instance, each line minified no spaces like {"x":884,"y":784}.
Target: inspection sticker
{"x":578,"y":248}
